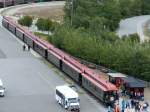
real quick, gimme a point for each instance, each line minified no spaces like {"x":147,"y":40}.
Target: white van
{"x":2,"y":89}
{"x":67,"y":97}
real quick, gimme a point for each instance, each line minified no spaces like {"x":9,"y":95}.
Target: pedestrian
{"x":139,"y":95}
{"x":131,"y":94}
{"x":141,"y":108}
{"x":116,"y":108}
{"x":132,"y":110}
{"x":137,"y":107}
{"x":145,"y":106}
{"x":28,"y":47}
{"x":135,"y":94}
{"x":142,"y":96}
{"x":24,"y":47}
{"x":132,"y":103}
{"x":117,"y":96}
{"x":110,"y":109}
{"x":127,"y":109}
{"x":123,"y":105}
{"x":129,"y":103}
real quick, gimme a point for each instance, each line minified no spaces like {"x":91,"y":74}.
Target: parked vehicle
{"x":67,"y":97}
{"x":2,"y":89}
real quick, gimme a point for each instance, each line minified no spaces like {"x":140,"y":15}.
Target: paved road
{"x":30,"y":81}
{"x":132,"y":25}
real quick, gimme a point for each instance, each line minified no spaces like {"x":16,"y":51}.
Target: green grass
{"x":42,"y":35}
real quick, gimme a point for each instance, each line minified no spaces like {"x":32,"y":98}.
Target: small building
{"x":130,"y":85}
{"x":134,"y":86}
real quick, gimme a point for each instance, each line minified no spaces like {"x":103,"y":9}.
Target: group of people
{"x":136,"y":95}
{"x":24,"y":47}
{"x":126,"y":104}
{"x":128,"y":99}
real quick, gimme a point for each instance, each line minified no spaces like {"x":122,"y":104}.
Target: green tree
{"x":125,"y":8}
{"x":110,"y":10}
{"x":145,"y":7}
{"x":136,"y":7}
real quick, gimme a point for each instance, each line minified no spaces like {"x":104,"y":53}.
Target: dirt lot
{"x":53,"y":12}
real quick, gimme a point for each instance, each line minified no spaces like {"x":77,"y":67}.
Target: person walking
{"x":123,"y":105}
{"x":137,"y":107}
{"x":132,"y":103}
{"x":24,"y":47}
{"x":28,"y":47}
{"x":145,"y":106}
{"x":116,"y":108}
{"x":127,"y":109}
{"x":110,"y":109}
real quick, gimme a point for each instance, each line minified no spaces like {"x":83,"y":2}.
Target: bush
{"x":26,"y":21}
{"x":46,"y":25}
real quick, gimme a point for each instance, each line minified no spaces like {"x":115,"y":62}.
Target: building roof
{"x":115,"y":75}
{"x":67,"y":91}
{"x":133,"y":82}
{"x":99,"y":82}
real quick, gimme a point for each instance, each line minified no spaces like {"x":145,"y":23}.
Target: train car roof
{"x":116,"y":75}
{"x":74,"y":63}
{"x":99,"y":85}
{"x":133,"y":82}
{"x":102,"y":81}
{"x":94,"y":82}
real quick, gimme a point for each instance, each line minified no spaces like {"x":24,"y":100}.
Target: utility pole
{"x":71,"y":11}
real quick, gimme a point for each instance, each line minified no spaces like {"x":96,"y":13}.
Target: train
{"x":102,"y":89}
{"x":6,"y":3}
